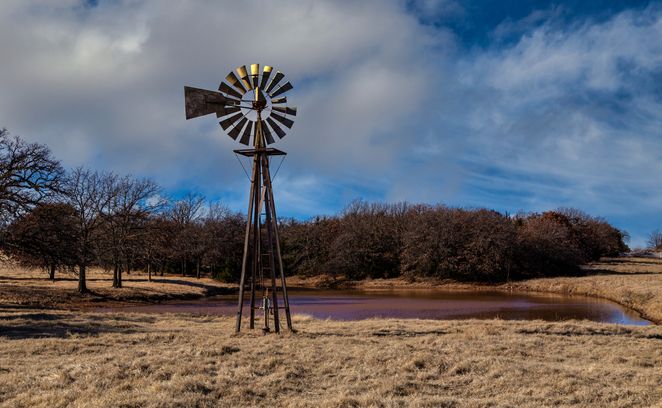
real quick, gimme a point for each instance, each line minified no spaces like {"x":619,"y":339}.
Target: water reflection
{"x":424,"y":304}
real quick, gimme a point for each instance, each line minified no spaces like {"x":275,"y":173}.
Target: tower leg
{"x":270,"y":239}
{"x":256,"y":235}
{"x":274,"y":225}
{"x":249,"y":222}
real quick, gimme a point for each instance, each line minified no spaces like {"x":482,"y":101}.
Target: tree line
{"x":71,"y":220}
{"x":372,"y":240}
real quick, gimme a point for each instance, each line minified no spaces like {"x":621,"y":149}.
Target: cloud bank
{"x":394,"y":104}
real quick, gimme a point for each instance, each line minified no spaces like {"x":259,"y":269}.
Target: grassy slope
{"x":62,"y":359}
{"x":632,"y":282}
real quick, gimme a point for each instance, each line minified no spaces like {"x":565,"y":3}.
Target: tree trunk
{"x":197,"y":269}
{"x":115,"y":275}
{"x":162,"y":268}
{"x":183,"y":268}
{"x":119,"y":276}
{"x":52,"y":273}
{"x":149,"y":271}
{"x":82,"y":285}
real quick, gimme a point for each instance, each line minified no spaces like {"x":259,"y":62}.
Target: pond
{"x":419,"y":304}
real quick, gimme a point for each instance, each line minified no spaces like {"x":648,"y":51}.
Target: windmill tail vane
{"x":251,"y":106}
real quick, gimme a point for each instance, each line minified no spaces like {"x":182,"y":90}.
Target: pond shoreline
{"x":432,"y":303}
{"x":633,"y":283}
{"x":91,"y":301}
{"x":534,"y":286}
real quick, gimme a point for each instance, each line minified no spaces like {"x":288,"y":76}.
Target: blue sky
{"x":510,"y":105}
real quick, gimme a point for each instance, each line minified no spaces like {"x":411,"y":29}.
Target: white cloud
{"x":389,"y":106}
{"x":569,"y":106}
{"x":551,"y":105}
{"x":103,"y":85}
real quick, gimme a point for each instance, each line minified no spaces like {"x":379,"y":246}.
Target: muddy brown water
{"x":418,"y":304}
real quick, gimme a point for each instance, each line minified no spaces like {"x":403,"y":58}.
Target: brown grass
{"x":60,"y":358}
{"x":31,"y":287}
{"x":65,"y":359}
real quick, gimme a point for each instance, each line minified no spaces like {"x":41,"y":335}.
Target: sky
{"x":508,"y":105}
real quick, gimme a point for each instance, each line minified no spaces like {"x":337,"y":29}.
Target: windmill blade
{"x":226,"y":123}
{"x":228,"y":90}
{"x":276,"y":79}
{"x":267,"y":134}
{"x":226,"y":110}
{"x":255,"y":74}
{"x":200,"y":102}
{"x":265,"y":76}
{"x":235,"y":130}
{"x":234,"y":81}
{"x":282,"y":119}
{"x":246,"y":137}
{"x":279,"y":100}
{"x":280,"y":132}
{"x":281,"y":90}
{"x":243,"y":74}
{"x":286,"y":110}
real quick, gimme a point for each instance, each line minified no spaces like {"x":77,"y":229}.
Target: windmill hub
{"x":259,"y":105}
{"x":251,"y":109}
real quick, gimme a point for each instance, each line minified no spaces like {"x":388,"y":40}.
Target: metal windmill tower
{"x":252,"y":108}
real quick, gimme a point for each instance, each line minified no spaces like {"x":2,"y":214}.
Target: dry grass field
{"x":69,"y":359}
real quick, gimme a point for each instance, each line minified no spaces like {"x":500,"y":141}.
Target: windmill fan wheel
{"x":245,"y":101}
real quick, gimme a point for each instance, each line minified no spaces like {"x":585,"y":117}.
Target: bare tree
{"x":185,"y":213}
{"x":594,"y":236}
{"x":655,"y":239}
{"x":28,"y":175}
{"x":152,"y":244}
{"x":132,"y":201}
{"x":157,"y":249}
{"x":223,"y":241}
{"x":44,"y":237}
{"x":89,"y":194}
{"x":366,"y":242}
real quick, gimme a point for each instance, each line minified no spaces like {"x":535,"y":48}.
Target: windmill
{"x":252,"y":110}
